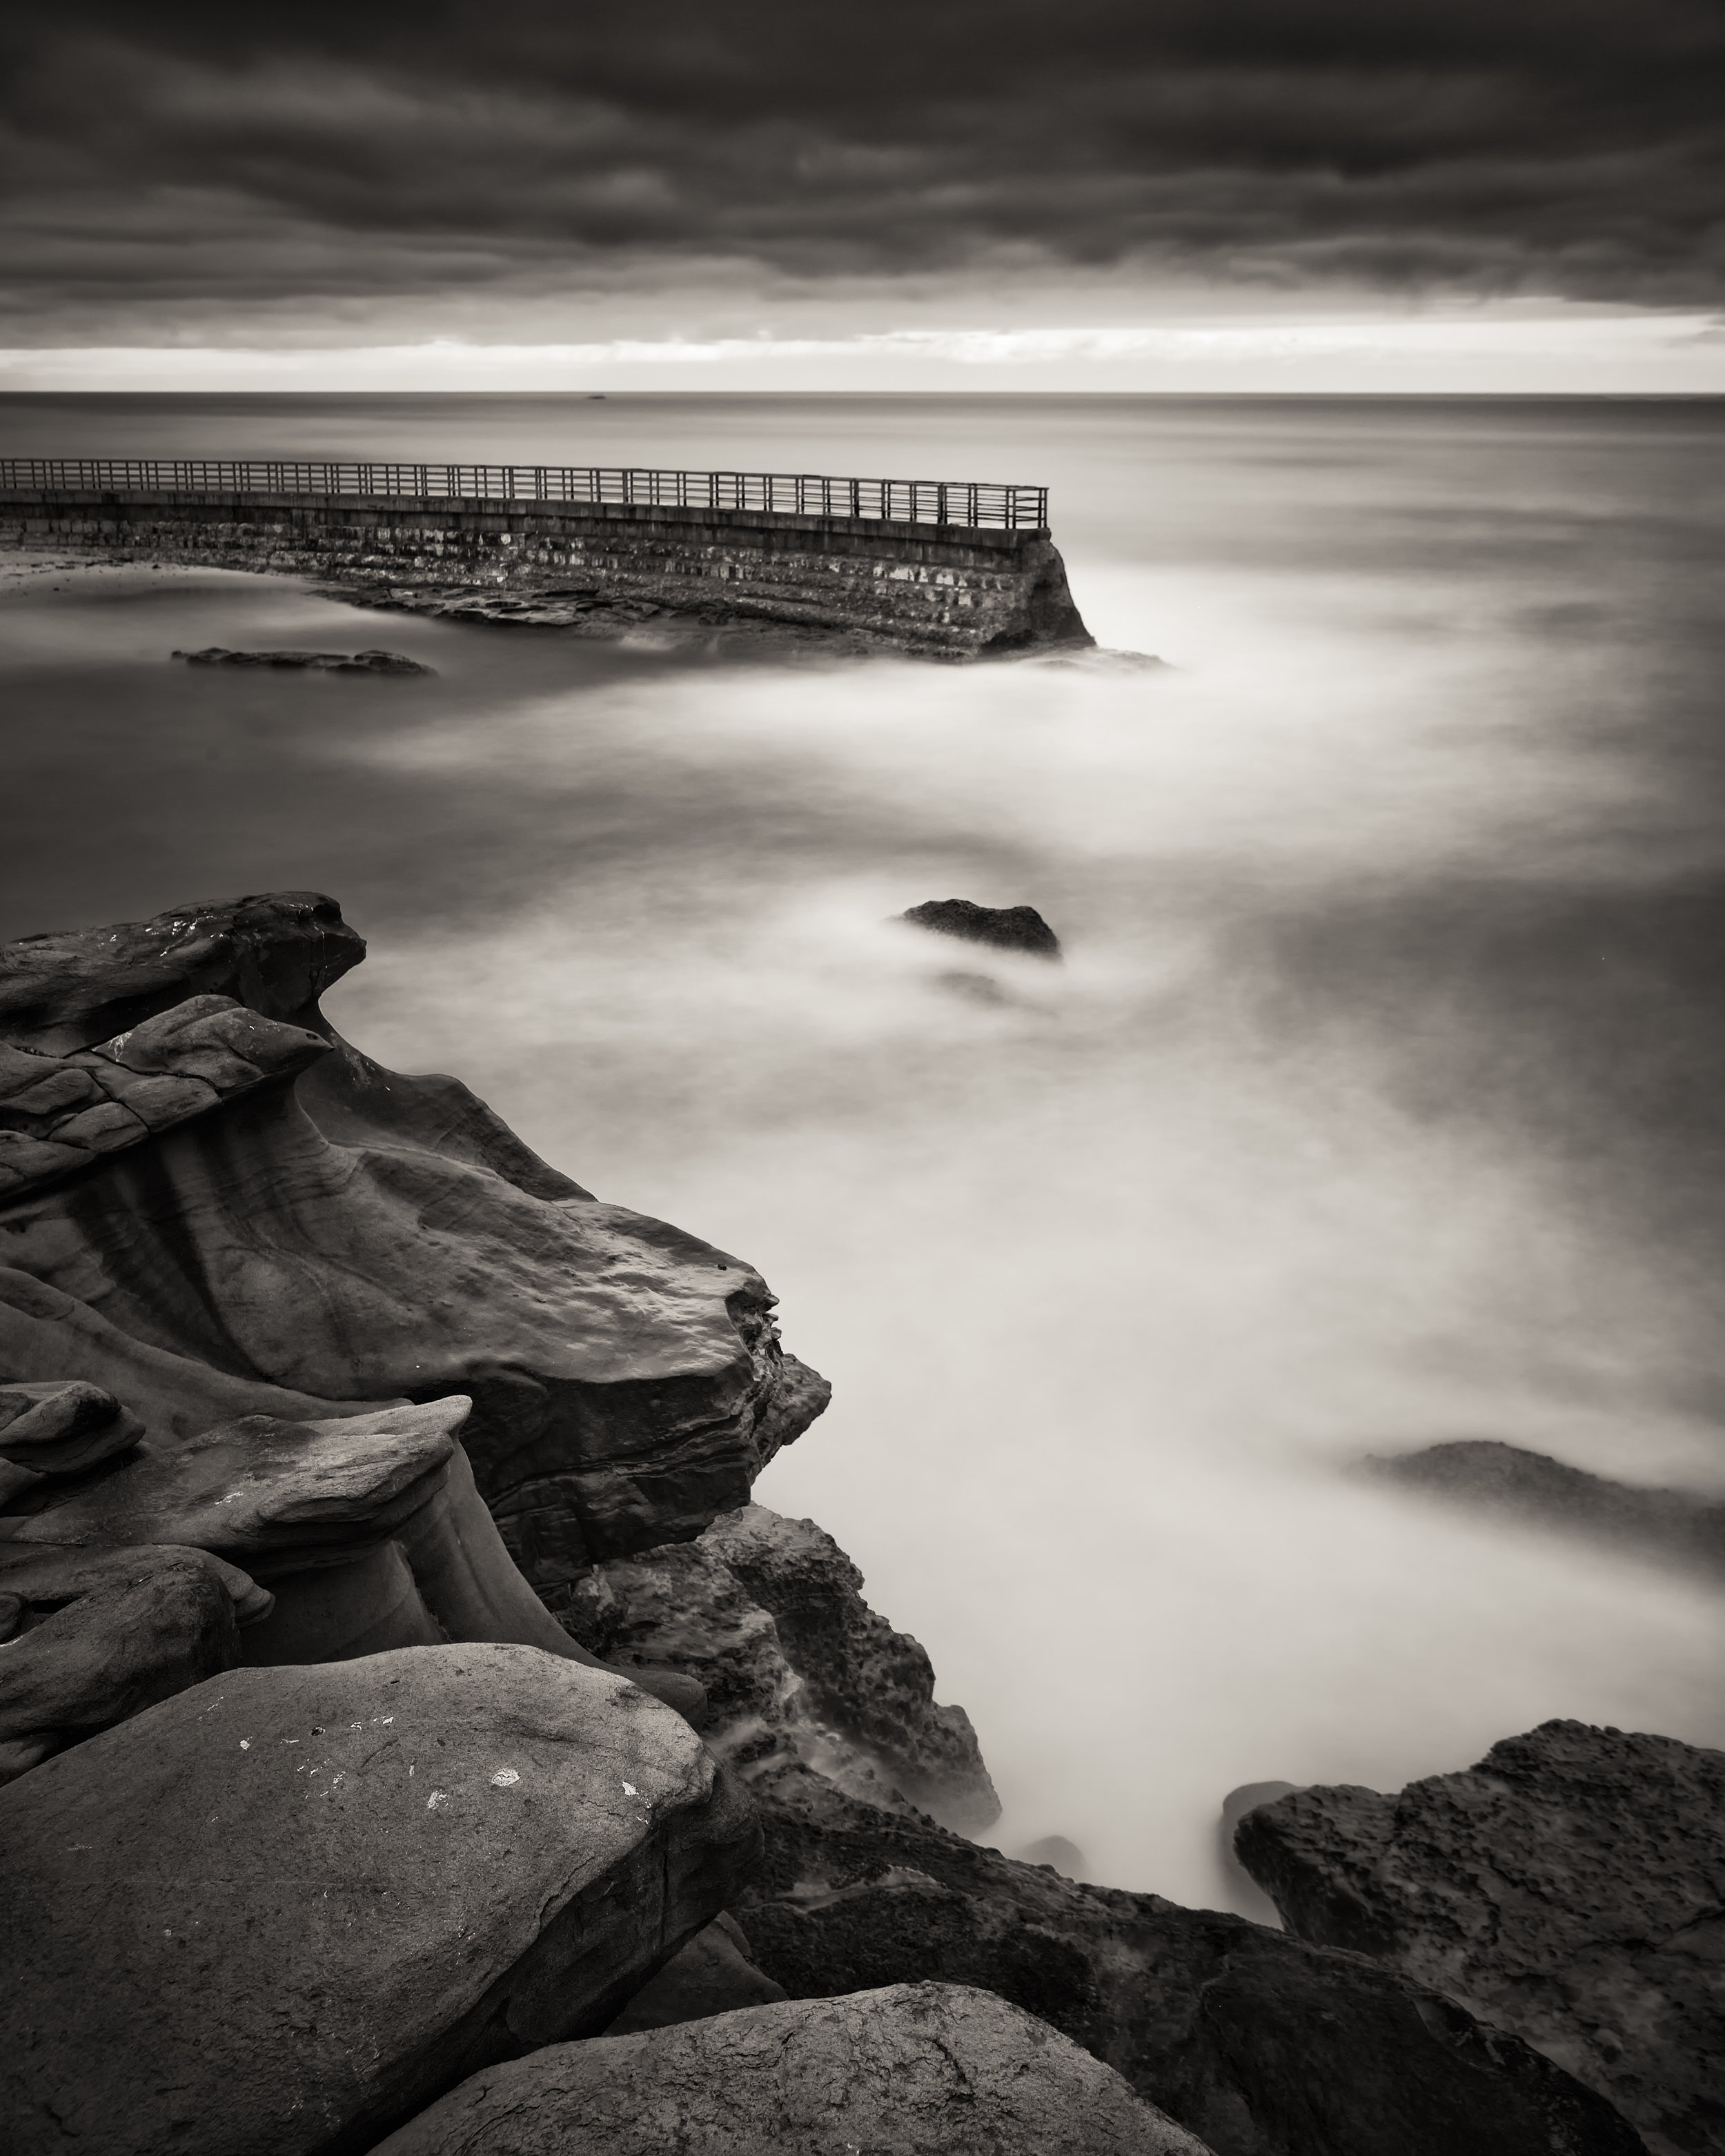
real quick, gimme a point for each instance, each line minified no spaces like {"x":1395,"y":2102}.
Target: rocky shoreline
{"x":415,"y":1738}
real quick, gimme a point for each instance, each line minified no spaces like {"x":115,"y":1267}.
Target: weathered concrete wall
{"x":955,"y":590}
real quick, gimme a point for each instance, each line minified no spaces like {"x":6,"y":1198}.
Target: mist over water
{"x":1377,"y":1102}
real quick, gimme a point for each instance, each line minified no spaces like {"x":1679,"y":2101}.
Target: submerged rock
{"x":768,"y":1614}
{"x":319,"y":662}
{"x":1248,"y":1897}
{"x":288,"y":1908}
{"x":1002,"y":927}
{"x":914,"y":2070}
{"x":1531,"y":1488}
{"x":303,"y":1234}
{"x":1055,"y":1851}
{"x":1567,"y":1887}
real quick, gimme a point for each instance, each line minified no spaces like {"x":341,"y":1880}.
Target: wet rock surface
{"x":1259,"y":2044}
{"x":328,"y":1409}
{"x":914,"y":2070}
{"x":1001,"y":927}
{"x":395,"y":1871}
{"x":1567,"y":1887}
{"x":1532,"y":1489}
{"x":316,"y":662}
{"x":768,"y":1614}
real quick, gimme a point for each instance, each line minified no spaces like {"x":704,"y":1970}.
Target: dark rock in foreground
{"x":1259,"y":2044}
{"x":767,"y":1613}
{"x":288,"y":1908}
{"x":1568,"y":1887}
{"x":916,"y":2070}
{"x":317,"y":662}
{"x":1673,"y":1525}
{"x":1002,"y":927}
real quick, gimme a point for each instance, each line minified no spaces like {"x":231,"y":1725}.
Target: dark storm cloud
{"x":334,"y":152}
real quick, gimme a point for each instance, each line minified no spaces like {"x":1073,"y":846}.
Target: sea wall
{"x":947,"y":590}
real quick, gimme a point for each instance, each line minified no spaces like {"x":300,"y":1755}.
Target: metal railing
{"x":906,"y":500}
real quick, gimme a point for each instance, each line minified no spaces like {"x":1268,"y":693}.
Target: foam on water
{"x":1374,"y":1103}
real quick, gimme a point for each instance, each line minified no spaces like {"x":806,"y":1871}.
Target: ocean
{"x":1377,"y":1102}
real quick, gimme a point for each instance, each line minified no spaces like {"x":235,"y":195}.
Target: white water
{"x":1371,"y":1106}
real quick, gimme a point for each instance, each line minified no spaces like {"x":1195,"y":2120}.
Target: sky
{"x":1115,"y":194}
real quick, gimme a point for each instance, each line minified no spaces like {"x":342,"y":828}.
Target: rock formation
{"x":767,"y":1615}
{"x":318,"y":662}
{"x":916,"y":2070}
{"x":92,"y":1637}
{"x":1567,"y":1887}
{"x":367,"y":1527}
{"x":340,"y":1437}
{"x":1669,"y":1526}
{"x":238,"y":1212}
{"x":1001,"y":927}
{"x":281,"y":1912}
{"x":1259,"y":2044}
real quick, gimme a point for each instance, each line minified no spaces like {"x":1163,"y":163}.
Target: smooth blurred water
{"x":1377,"y":1101}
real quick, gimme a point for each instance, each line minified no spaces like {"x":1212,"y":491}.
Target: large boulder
{"x":767,"y":1614}
{"x":214,"y":1206}
{"x":1567,"y":1887}
{"x":285,"y":1910}
{"x":915,"y":2070}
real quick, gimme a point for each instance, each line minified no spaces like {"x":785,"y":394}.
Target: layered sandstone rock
{"x":237,"y":1214}
{"x":1567,"y":1887}
{"x":92,"y":1637}
{"x":915,"y":2070}
{"x":367,"y":1528}
{"x":768,"y":1614}
{"x":286,"y":1909}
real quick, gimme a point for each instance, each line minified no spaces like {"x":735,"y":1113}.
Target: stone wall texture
{"x":957,"y":591}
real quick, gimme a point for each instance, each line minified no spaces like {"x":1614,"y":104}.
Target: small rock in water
{"x":1249,"y":1899}
{"x":1002,"y":927}
{"x":322,"y":662}
{"x":1066,"y":1857}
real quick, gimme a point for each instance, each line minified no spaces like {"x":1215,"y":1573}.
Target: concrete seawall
{"x":937,"y":590}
